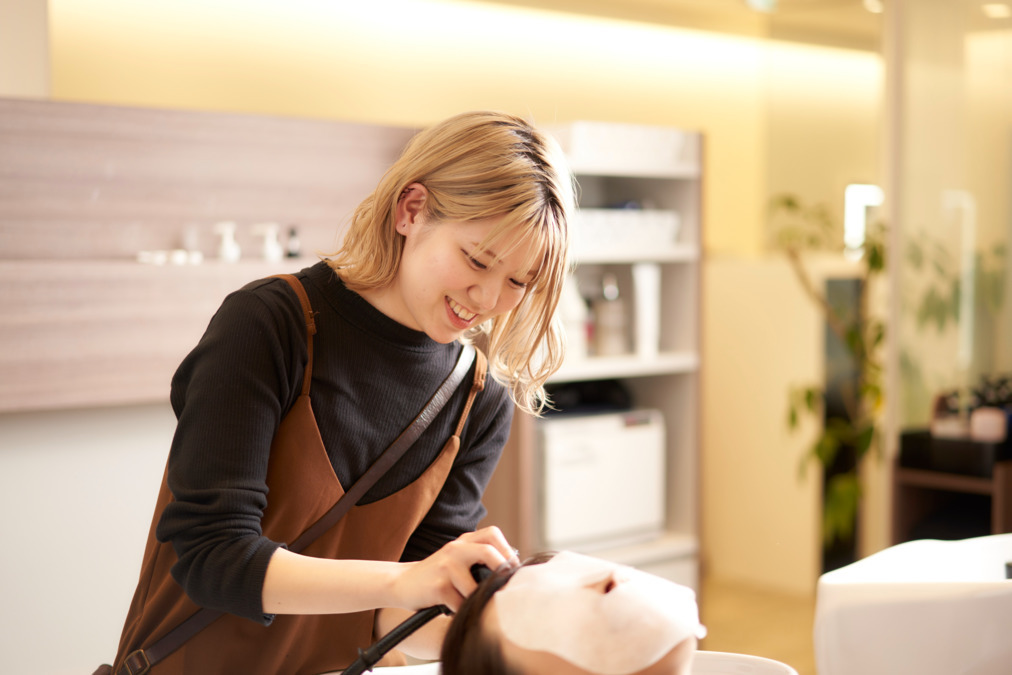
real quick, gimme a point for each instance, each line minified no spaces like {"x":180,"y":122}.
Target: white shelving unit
{"x":655,"y":173}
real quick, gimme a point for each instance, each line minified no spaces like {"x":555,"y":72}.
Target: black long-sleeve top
{"x":371,"y":376}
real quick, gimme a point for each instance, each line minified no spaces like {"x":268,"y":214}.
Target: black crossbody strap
{"x":140,"y":661}
{"x":391,"y":454}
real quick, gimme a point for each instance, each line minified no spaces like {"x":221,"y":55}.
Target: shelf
{"x":668,"y":546}
{"x":687,"y":171}
{"x":940,"y":480}
{"x":950,"y":487}
{"x":640,"y":202}
{"x":670,"y":254}
{"x":608,"y":367}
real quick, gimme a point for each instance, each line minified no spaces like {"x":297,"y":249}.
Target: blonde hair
{"x":476,"y":166}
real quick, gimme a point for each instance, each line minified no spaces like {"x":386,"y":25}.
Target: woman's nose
{"x":485,"y":295}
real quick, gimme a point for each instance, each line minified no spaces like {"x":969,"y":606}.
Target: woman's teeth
{"x":461,"y":312}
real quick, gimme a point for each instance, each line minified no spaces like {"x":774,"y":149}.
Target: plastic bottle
{"x":610,"y":335}
{"x":228,"y":250}
{"x":294,"y":245}
{"x":272,"y":250}
{"x":573,"y":314}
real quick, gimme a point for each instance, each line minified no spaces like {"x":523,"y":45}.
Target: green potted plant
{"x":854,"y":431}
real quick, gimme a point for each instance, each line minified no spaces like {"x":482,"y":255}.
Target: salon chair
{"x":928,"y":607}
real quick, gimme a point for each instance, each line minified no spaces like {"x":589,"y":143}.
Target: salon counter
{"x":928,"y":607}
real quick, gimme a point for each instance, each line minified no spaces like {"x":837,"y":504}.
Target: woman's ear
{"x":410,"y":206}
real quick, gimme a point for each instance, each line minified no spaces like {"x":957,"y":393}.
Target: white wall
{"x":77,"y":490}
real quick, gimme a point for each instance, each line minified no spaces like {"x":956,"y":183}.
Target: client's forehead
{"x":565,"y":568}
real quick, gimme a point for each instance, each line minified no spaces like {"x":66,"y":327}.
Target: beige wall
{"x":401,"y":62}
{"x":24,"y":48}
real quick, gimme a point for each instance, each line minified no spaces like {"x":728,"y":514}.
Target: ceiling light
{"x":762,"y":5}
{"x":996,"y":10}
{"x":874,"y":6}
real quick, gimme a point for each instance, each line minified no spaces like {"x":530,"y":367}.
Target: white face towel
{"x":603,"y":617}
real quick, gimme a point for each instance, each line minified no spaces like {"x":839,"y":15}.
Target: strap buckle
{"x":136,"y":663}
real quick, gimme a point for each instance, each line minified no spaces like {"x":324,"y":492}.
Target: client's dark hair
{"x":466,"y":650}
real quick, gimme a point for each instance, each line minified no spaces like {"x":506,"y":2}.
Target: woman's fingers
{"x":493,"y":536}
{"x":445,"y":577}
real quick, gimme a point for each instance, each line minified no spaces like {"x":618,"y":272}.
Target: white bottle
{"x":647,"y":301}
{"x":273,"y":250}
{"x":228,"y":250}
{"x":573,"y":314}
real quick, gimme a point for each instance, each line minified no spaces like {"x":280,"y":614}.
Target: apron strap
{"x":307,"y":313}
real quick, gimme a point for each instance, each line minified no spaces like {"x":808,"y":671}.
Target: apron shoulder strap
{"x":480,"y":372}
{"x":307,"y":314}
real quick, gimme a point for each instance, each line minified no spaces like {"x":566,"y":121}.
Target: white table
{"x":926,"y":607}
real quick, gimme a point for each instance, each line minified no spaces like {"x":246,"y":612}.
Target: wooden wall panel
{"x":83,"y":188}
{"x":87,"y":181}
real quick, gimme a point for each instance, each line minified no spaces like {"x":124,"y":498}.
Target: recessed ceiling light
{"x":762,"y":5}
{"x":996,"y":10}
{"x":874,"y":6}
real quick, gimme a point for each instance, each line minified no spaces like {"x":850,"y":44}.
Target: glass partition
{"x":950,"y":165}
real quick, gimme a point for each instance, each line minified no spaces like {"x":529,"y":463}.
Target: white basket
{"x":603,"y":231}
{"x":616,"y":147}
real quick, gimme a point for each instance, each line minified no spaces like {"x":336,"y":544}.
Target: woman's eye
{"x":518,"y":284}
{"x":475,"y":263}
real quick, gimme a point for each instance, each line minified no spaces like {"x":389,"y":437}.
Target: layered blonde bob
{"x":476,"y":166}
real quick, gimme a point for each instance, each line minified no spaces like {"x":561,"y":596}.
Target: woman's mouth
{"x":460,"y":312}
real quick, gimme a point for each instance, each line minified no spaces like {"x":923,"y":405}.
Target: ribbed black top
{"x":371,"y":376}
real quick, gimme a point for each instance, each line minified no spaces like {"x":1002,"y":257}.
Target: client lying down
{"x":573,"y":614}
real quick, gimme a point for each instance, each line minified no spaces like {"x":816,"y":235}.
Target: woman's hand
{"x":444,"y":578}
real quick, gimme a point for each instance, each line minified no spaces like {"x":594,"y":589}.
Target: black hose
{"x":367,"y":658}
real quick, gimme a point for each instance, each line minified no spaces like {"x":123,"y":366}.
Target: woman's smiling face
{"x":447,"y":282}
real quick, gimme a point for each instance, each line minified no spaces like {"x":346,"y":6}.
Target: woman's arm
{"x":298,"y":584}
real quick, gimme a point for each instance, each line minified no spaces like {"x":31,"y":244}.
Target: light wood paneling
{"x":87,"y":181}
{"x":84,"y":188}
{"x":86,"y":333}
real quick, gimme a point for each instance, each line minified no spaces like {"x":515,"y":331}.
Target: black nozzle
{"x":480,"y":572}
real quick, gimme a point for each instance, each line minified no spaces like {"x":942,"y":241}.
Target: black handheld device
{"x":367,"y":658}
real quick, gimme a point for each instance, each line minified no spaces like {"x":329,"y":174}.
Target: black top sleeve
{"x":229,"y":394}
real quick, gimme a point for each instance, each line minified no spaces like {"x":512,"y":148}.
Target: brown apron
{"x":303,"y":486}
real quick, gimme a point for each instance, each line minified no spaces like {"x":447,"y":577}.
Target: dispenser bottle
{"x":228,"y":250}
{"x":610,"y":335}
{"x":273,"y":252}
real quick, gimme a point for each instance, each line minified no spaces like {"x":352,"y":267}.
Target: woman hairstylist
{"x":465,"y":234}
